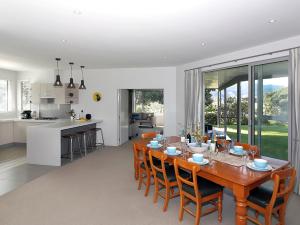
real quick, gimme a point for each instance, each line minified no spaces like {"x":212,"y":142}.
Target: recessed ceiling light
{"x":203,"y":43}
{"x":77,"y":12}
{"x":272,"y":21}
{"x":64,"y":41}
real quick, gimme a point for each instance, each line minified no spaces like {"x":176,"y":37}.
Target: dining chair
{"x":222,"y":144}
{"x":148,"y":135}
{"x":137,"y":158}
{"x":247,"y":147}
{"x":268,"y":202}
{"x":145,"y":171}
{"x":164,"y":177}
{"x":198,"y":190}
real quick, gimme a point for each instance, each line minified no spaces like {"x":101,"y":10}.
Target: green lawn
{"x":274,"y":139}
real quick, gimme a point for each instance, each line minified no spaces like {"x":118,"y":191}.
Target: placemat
{"x":226,"y":158}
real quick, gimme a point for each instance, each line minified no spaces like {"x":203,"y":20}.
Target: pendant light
{"x":82,"y":86}
{"x":71,"y":84}
{"x":57,"y":82}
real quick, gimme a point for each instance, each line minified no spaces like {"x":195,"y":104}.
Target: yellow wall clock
{"x":97,"y":96}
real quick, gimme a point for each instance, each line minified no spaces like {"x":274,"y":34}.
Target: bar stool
{"x":82,"y":138}
{"x":72,"y":138}
{"x":97,"y":143}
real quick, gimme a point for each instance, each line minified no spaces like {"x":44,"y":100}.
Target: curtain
{"x":194,"y":100}
{"x":294,"y":106}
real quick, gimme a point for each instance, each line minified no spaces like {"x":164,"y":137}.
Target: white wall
{"x":261,"y":49}
{"x":108,"y":81}
{"x":12,"y":77}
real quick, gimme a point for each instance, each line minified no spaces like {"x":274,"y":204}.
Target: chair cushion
{"x":205,"y":187}
{"x":261,"y":196}
{"x":171,"y":174}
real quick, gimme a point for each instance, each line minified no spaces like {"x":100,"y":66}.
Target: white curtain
{"x":294,"y":121}
{"x":194,"y":100}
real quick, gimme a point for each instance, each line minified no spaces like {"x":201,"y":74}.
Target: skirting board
{"x":15,"y":144}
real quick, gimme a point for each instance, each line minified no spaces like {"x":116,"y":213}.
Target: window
{"x":3,"y":95}
{"x":148,"y":101}
{"x":25,"y":95}
{"x":231,"y":92}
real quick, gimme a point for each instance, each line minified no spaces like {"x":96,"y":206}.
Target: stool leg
{"x":102,"y":139}
{"x":84,"y":144}
{"x":71,"y":149}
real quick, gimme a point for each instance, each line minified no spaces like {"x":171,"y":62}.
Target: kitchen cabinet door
{"x":6,"y":131}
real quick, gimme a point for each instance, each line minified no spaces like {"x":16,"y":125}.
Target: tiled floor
{"x":14,"y":171}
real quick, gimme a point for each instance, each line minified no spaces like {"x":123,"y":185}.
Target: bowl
{"x":154,"y":143}
{"x":238,"y":149}
{"x":197,"y":157}
{"x":171,"y":150}
{"x":193,"y":144}
{"x":260,"y":163}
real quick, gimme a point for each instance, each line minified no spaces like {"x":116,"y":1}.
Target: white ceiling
{"x":136,"y":33}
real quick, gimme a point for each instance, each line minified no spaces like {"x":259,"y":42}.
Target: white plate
{"x":253,"y":167}
{"x":237,"y":153}
{"x":177,"y":152}
{"x":204,"y":162}
{"x":151,"y":146}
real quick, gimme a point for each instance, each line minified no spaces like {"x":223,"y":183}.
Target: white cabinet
{"x":20,"y":130}
{"x":6,"y":131}
{"x":47,"y":90}
{"x":47,"y":93}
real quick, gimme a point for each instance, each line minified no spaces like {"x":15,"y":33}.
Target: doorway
{"x":139,"y":111}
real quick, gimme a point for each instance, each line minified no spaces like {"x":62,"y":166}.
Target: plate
{"x":231,"y":151}
{"x":154,"y":147}
{"x":177,"y":152}
{"x":253,"y":167}
{"x":204,"y":162}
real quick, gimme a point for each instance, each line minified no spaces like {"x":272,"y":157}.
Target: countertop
{"x":55,"y":124}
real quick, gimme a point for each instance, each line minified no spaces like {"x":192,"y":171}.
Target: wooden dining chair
{"x":148,"y":135}
{"x":198,"y":190}
{"x":221,"y":144}
{"x":164,"y":177}
{"x":145,"y":171}
{"x":248,"y":147}
{"x":268,"y":202}
{"x":137,"y":158}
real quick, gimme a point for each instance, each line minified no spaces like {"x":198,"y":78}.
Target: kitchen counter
{"x":44,"y":142}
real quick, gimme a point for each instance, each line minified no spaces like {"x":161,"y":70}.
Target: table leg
{"x":241,"y":195}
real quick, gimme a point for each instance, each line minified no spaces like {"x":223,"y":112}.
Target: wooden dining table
{"x":239,"y":179}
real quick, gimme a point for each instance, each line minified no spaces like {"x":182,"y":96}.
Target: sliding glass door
{"x":249,"y":104}
{"x":270,"y":106}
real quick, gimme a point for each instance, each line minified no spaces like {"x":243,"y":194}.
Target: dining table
{"x":239,"y":179}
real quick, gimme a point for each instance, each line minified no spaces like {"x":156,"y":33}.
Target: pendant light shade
{"x":71,"y":84}
{"x":57,"y":82}
{"x":82,"y":86}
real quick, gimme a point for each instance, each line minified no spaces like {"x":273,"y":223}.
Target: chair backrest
{"x":148,"y":135}
{"x":145,"y":151}
{"x":222,"y":144}
{"x":160,"y":157}
{"x":137,"y":151}
{"x":284,"y":182}
{"x":188,"y":167}
{"x":248,"y":147}
{"x":205,"y":139}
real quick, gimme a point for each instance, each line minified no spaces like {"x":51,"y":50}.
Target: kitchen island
{"x":45,"y":144}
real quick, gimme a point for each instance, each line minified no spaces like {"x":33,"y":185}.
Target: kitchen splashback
{"x":54,"y":110}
